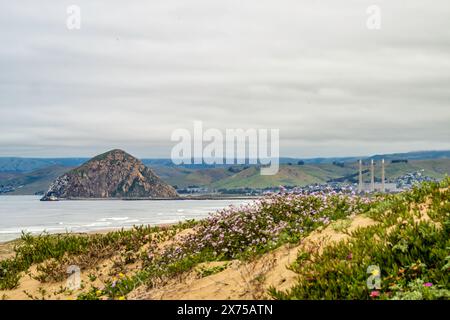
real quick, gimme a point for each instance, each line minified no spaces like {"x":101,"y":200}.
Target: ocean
{"x":28,"y":214}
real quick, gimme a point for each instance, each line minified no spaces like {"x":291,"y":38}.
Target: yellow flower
{"x":98,"y":292}
{"x":375,"y":272}
{"x":122,"y":298}
{"x":121,"y":275}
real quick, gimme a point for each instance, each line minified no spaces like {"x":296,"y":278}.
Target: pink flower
{"x":375,"y":294}
{"x":350,"y":256}
{"x":427,"y":284}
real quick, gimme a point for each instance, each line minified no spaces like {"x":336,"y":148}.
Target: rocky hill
{"x":114,"y":174}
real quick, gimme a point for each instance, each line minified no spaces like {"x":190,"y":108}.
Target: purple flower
{"x":427,"y":284}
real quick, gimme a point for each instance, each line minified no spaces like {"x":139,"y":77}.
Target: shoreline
{"x":7,"y":247}
{"x":91,"y":232}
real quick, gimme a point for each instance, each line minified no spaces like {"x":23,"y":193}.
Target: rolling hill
{"x":287,"y":175}
{"x":19,"y":164}
{"x":185,"y":177}
{"x":33,"y":182}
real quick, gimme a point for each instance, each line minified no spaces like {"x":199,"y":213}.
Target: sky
{"x":136,"y":71}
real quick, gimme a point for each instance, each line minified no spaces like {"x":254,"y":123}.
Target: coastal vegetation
{"x":410,"y":247}
{"x":401,"y":239}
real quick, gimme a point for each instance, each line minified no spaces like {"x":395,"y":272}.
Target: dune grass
{"x":65,"y":248}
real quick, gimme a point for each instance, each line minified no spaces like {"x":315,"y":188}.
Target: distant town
{"x":399,"y":184}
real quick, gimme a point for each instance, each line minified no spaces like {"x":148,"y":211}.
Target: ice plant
{"x":265,"y":224}
{"x":375,"y":294}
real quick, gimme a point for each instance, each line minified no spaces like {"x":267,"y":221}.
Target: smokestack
{"x":372,"y":178}
{"x":383,"y":189}
{"x":360,"y":182}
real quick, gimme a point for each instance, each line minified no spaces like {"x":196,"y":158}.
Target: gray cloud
{"x":138,"y":70}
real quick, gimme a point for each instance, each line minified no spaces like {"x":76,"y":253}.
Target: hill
{"x":185,"y":177}
{"x":18,"y":165}
{"x":287,"y":175}
{"x":35,"y":182}
{"x":114,"y":174}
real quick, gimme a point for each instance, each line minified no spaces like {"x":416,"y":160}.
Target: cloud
{"x":138,"y":70}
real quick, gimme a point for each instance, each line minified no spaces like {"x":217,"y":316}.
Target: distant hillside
{"x":417,"y":155}
{"x":33,"y":182}
{"x":292,"y":175}
{"x":185,"y":177}
{"x":437,"y":168}
{"x":17,"y":164}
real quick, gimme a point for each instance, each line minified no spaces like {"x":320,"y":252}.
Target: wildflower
{"x":98,"y":292}
{"x":375,"y":272}
{"x":427,"y":284}
{"x":121,"y":275}
{"x":375,"y":294}
{"x":121,"y":298}
{"x":350,"y":256}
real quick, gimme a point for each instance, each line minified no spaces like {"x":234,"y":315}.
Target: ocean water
{"x":28,"y":214}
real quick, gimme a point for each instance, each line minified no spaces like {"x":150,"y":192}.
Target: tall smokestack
{"x":360,"y":182}
{"x":372,"y":176}
{"x":383,"y":189}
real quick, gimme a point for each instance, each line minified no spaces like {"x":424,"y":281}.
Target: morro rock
{"x":114,"y":174}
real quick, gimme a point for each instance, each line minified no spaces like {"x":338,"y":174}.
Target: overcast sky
{"x":137,"y":70}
